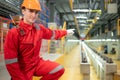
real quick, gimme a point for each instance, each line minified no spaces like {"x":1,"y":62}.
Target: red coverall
{"x":21,"y":49}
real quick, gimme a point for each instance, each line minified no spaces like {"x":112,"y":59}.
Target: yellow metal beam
{"x":98,"y":11}
{"x":64,"y":25}
{"x":71,"y":4}
{"x":76,"y":23}
{"x":118,"y":27}
{"x":63,"y":38}
{"x":95,"y":19}
{"x":87,"y":31}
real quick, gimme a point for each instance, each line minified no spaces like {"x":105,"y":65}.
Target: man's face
{"x":30,"y":15}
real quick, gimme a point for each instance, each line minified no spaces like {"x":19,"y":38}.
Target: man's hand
{"x":70,"y":31}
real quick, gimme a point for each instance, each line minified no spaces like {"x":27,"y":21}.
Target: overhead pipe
{"x":64,"y":11}
{"x":3,"y":10}
{"x":9,"y":6}
{"x":4,"y":14}
{"x":77,"y":3}
{"x":91,"y":6}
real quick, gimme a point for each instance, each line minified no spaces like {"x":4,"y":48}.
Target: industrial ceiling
{"x":92,"y":9}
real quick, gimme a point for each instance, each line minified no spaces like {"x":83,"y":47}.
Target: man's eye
{"x":31,"y":10}
{"x":34,"y":11}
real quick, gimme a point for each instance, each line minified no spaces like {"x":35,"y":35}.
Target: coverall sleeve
{"x":11,"y":56}
{"x":53,"y":34}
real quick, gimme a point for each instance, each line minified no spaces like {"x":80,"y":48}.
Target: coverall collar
{"x":25,"y":25}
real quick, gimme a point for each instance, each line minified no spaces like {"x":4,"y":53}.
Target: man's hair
{"x":23,"y":8}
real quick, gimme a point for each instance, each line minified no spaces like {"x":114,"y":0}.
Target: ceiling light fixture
{"x":82,"y":21}
{"x":82,"y":17}
{"x":84,"y":25}
{"x":97,"y":17}
{"x":81,"y":10}
{"x":86,"y":10}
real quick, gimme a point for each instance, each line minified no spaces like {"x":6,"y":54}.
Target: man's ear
{"x":23,"y":11}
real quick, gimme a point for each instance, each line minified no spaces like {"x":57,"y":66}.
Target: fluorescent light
{"x":81,"y":10}
{"x":93,"y":40}
{"x":70,"y":40}
{"x":98,"y":18}
{"x":86,"y":10}
{"x":82,"y":21}
{"x":83,"y":24}
{"x":81,"y":17}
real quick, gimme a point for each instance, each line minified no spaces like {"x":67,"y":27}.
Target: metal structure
{"x":9,"y":7}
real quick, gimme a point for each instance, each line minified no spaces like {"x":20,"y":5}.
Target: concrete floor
{"x":4,"y":75}
{"x":71,"y":63}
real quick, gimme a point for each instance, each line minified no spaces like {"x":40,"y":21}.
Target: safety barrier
{"x":84,"y":65}
{"x":104,"y":66}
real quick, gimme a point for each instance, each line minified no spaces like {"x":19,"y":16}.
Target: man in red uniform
{"x":22,"y":46}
